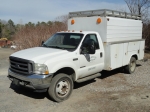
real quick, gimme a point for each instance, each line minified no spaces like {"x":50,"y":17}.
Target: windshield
{"x":69,"y":41}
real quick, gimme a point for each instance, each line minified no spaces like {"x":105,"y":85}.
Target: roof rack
{"x":104,"y":13}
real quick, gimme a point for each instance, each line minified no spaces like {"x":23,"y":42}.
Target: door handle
{"x":101,"y":55}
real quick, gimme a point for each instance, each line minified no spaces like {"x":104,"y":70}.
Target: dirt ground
{"x":114,"y":91}
{"x":4,"y":59}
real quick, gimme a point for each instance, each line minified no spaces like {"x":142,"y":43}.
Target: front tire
{"x":61,"y":87}
{"x":132,"y":66}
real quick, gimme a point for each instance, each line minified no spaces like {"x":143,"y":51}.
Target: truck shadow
{"x":105,"y":74}
{"x":28,"y":92}
{"x":79,"y":85}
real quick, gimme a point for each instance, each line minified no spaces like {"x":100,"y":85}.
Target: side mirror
{"x":88,"y":48}
{"x":42,"y":42}
{"x":91,"y":48}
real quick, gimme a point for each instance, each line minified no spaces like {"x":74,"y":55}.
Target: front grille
{"x":21,"y":66}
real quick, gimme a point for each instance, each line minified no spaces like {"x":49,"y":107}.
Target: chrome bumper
{"x":33,"y":81}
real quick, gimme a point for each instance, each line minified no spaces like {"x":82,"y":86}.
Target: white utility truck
{"x":96,"y":40}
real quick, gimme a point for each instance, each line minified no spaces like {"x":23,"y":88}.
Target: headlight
{"x":40,"y":69}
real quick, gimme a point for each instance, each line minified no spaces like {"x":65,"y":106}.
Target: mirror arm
{"x":42,"y":42}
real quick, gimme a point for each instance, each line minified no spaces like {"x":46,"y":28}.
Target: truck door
{"x":91,"y":63}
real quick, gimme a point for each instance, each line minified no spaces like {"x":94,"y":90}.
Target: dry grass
{"x":32,"y":36}
{"x":147,"y":56}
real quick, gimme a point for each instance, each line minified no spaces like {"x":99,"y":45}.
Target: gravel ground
{"x":4,"y":59}
{"x":114,"y":91}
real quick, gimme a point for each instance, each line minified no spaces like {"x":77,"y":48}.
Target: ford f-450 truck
{"x":95,"y":40}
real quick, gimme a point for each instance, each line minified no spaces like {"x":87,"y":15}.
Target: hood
{"x":40,"y":54}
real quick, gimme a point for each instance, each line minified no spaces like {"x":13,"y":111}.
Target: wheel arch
{"x":135,"y":56}
{"x":66,"y":70}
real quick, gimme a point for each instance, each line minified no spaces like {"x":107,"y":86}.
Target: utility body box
{"x":111,"y":29}
{"x":119,"y":54}
{"x":121,"y":34}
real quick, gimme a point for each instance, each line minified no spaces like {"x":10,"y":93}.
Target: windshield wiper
{"x":56,"y":47}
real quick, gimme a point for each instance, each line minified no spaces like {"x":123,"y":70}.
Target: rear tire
{"x":61,"y":87}
{"x":132,"y":66}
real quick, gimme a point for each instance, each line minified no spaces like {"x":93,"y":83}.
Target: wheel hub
{"x":62,"y":88}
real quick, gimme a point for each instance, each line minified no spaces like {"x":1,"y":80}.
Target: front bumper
{"x":33,"y":81}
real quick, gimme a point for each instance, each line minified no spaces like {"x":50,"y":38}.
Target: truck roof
{"x":74,"y":31}
{"x":104,"y":13}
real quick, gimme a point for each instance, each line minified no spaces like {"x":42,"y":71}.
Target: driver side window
{"x":91,"y":37}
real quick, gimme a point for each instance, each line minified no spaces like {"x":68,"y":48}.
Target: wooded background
{"x":31,"y":34}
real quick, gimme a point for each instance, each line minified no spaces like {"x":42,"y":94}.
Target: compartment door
{"x":142,"y":45}
{"x":116,"y":56}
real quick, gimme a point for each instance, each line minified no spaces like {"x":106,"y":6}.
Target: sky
{"x":24,"y":11}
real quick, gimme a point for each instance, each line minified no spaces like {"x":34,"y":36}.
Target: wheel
{"x":131,"y":67}
{"x":61,"y":87}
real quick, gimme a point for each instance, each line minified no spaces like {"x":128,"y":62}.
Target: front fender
{"x":56,"y":67}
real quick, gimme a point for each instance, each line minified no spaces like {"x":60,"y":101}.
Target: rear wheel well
{"x":135,"y":56}
{"x":66,"y":70}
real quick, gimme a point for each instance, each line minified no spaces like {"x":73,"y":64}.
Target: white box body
{"x":111,"y":29}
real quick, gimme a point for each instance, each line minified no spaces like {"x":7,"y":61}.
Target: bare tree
{"x":64,"y":19}
{"x":146,"y":34}
{"x":139,"y":7}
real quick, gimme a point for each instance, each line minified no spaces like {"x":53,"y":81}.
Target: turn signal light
{"x":99,"y":20}
{"x":46,"y":72}
{"x":72,"y":21}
